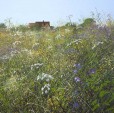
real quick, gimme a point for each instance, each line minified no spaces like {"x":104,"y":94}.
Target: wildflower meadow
{"x":67,"y":69}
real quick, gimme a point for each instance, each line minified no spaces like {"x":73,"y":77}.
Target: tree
{"x":88,"y":22}
{"x":2,"y":25}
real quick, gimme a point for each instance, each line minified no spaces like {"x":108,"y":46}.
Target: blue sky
{"x":55,"y":11}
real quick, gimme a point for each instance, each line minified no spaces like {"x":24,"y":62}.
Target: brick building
{"x":40,"y":24}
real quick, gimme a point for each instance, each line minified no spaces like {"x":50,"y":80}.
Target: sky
{"x":55,"y":11}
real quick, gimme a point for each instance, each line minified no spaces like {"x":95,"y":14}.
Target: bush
{"x":2,"y":25}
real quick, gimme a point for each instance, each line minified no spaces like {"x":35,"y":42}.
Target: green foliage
{"x":64,"y":70}
{"x":22,"y":28}
{"x":2,"y":25}
{"x":88,"y":22}
{"x":36,"y":28}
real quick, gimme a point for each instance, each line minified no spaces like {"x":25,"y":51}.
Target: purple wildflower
{"x":75,"y":105}
{"x":91,"y":71}
{"x":75,"y":71}
{"x":77,"y":79}
{"x":78,"y":66}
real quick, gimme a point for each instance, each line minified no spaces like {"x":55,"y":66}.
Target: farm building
{"x":40,"y":24}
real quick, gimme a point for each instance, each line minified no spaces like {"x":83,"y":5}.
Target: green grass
{"x":66,"y":70}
